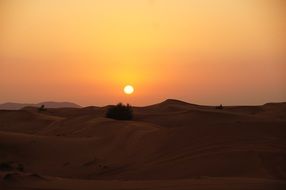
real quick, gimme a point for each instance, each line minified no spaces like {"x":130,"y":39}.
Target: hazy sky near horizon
{"x":200,"y":51}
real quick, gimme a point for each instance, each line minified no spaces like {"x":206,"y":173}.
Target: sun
{"x":128,"y":89}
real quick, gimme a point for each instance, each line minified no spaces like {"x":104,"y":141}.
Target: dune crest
{"x":17,"y":106}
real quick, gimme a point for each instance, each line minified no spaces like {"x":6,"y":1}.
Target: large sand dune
{"x":171,"y":145}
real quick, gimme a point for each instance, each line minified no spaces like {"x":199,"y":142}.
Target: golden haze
{"x":207,"y":52}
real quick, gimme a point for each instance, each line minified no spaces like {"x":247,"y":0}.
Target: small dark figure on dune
{"x":220,"y":107}
{"x":42,"y":108}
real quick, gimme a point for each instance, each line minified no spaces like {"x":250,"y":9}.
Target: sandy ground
{"x":171,"y":145}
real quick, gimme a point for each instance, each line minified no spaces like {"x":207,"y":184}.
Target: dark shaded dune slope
{"x":22,"y":121}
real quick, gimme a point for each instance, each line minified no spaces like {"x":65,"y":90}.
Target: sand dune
{"x":171,"y":145}
{"x":17,"y":106}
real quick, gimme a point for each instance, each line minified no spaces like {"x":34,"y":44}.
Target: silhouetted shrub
{"x":120,"y":112}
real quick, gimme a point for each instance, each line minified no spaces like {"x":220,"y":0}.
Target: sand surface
{"x":171,"y":145}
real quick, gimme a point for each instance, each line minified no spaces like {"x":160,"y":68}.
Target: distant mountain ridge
{"x":48,"y":104}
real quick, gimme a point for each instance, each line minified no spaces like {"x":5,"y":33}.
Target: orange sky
{"x":85,"y":51}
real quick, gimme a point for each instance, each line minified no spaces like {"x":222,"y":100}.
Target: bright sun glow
{"x":128,"y":89}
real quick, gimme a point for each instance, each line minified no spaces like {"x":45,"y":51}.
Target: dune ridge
{"x":48,"y":104}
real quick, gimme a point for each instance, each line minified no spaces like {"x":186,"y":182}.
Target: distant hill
{"x":17,"y":106}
